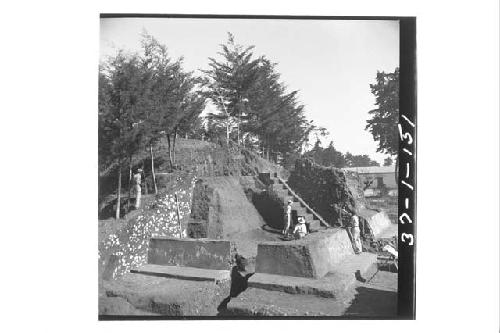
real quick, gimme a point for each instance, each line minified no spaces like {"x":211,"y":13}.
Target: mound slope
{"x":234,"y":211}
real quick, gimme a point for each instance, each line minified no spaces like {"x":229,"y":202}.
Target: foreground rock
{"x":137,"y":294}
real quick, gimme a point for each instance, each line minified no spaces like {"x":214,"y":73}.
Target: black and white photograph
{"x":249,"y":167}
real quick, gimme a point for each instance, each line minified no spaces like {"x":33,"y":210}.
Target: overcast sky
{"x":331,"y":63}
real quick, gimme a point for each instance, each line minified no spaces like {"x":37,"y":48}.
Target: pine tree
{"x":122,"y":100}
{"x":384,"y":119}
{"x":172,"y":103}
{"x":227,"y":83}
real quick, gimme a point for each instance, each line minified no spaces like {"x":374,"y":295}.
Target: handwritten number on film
{"x":404,"y":218}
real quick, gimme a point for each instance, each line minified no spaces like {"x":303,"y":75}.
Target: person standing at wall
{"x":356,"y":234}
{"x":288,"y":217}
{"x":137,"y":188}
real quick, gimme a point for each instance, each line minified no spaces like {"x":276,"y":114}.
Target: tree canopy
{"x":250,"y":98}
{"x":122,"y":108}
{"x":143,"y":97}
{"x":384,"y":119}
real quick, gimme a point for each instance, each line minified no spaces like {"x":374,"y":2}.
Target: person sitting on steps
{"x":300,"y":230}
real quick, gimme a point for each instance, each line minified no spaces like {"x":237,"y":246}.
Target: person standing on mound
{"x":356,"y":234}
{"x":137,"y":188}
{"x":288,"y":217}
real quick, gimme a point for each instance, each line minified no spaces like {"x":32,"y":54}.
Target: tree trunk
{"x":153,"y":168}
{"x":129,"y":180}
{"x":119,"y":197}
{"x":170,"y":152}
{"x":396,"y":170}
{"x":173,"y":146}
{"x":227,"y":133}
{"x":178,"y":215}
{"x":238,"y":129}
{"x":145,"y":182}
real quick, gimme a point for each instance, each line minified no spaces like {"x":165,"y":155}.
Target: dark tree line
{"x":330,"y":156}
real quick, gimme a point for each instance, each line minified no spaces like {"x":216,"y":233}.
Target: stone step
{"x":297,"y":205}
{"x":309,"y":217}
{"x":183,"y":273}
{"x":282,"y":193}
{"x":336,"y":282}
{"x":278,"y":187}
{"x":363,"y":301}
{"x":256,"y":302}
{"x":314,"y":225}
{"x":285,"y":195}
{"x":301,"y":211}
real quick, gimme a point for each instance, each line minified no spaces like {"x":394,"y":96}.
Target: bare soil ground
{"x":374,"y":299}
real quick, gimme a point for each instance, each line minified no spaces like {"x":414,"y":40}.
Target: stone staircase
{"x":299,"y":207}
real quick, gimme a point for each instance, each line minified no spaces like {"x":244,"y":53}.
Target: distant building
{"x":377,"y":179}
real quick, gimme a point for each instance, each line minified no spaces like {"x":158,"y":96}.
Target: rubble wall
{"x":327,"y":190}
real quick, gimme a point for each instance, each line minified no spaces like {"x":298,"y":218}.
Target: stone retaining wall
{"x":312,"y":257}
{"x":208,"y":254}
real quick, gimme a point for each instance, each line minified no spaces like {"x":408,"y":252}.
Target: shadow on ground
{"x":371,"y":302}
{"x":239,"y":283}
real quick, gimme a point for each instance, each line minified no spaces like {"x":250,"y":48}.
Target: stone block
{"x":208,"y":254}
{"x":278,"y":187}
{"x":197,"y":229}
{"x":313,"y":256}
{"x":265,"y":178}
{"x":183,"y":273}
{"x":314,"y":225}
